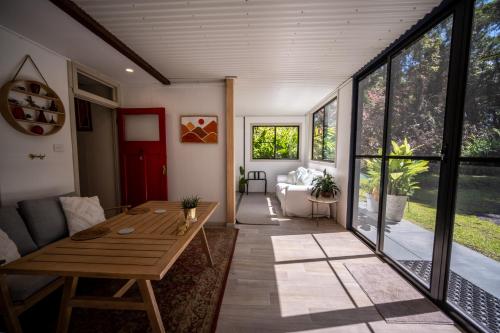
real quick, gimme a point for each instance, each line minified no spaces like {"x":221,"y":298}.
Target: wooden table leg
{"x":206,"y":248}
{"x":10,"y":316}
{"x":148,"y":297}
{"x":123,"y":290}
{"x":69,"y":290}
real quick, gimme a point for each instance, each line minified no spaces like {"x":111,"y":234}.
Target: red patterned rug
{"x":189,"y":296}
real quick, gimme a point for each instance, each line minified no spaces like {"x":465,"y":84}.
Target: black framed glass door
{"x":425,"y":165}
{"x":414,"y":150}
{"x":474,"y":271}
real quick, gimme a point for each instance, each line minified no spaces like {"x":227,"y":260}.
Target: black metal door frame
{"x":462,"y":11}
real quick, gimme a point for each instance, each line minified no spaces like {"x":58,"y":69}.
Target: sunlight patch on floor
{"x":310,"y":287}
{"x":295,"y":247}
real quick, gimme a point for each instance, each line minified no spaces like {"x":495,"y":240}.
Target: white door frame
{"x":73,"y":92}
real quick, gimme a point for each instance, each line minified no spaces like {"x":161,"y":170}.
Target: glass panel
{"x":287,"y":142}
{"x":481,"y":133}
{"x":419,"y":76}
{"x":410,"y":214}
{"x":142,"y":127}
{"x":263,"y":142}
{"x":330,"y":139}
{"x":371,"y":109}
{"x":317,"y":153}
{"x":366,"y":197}
{"x":95,"y":87}
{"x":474,"y":279}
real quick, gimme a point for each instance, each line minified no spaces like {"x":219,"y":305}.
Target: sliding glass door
{"x":425,"y":168}
{"x":474,"y":277}
{"x":417,"y":103}
{"x":371,"y":108}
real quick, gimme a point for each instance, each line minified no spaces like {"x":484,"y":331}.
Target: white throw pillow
{"x":292,"y":177}
{"x":305,"y":179}
{"x":8,"y":249}
{"x":301,"y":171}
{"x":82,"y":212}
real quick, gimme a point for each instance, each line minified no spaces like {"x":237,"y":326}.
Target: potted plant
{"x":325,"y":186}
{"x":189,"y":205}
{"x":243,"y":181}
{"x":372,"y":184}
{"x":401,"y":179}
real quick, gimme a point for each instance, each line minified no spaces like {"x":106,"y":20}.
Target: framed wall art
{"x":199,"y":129}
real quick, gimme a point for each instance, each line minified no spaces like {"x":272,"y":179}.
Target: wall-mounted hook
{"x":40,"y":156}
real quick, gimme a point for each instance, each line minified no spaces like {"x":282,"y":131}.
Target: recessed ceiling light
{"x":130,"y":70}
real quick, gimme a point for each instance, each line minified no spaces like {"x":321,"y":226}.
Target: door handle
{"x":444,"y":152}
{"x":164,"y":169}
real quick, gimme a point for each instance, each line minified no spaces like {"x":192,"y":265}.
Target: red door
{"x":143,"y":155}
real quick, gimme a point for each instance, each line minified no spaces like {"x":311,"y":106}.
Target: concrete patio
{"x":407,"y":241}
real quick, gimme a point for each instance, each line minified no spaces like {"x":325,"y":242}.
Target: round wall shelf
{"x":32,"y":107}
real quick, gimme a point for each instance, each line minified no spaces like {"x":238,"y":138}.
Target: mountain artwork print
{"x":199,"y":129}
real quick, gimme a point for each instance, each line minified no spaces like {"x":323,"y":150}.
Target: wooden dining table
{"x":144,"y":255}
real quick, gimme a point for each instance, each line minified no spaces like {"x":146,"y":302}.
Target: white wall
{"x":20,"y":177}
{"x":192,"y":168}
{"x":273,"y":168}
{"x":340,"y":169}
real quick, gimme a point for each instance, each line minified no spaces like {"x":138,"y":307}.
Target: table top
{"x":323,"y":200}
{"x":147,"y":253}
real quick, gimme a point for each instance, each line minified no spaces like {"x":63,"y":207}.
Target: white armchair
{"x":293,"y":193}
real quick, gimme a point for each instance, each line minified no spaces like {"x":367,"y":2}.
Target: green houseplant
{"x":401,"y":179}
{"x":189,"y":205}
{"x":243,"y":181}
{"x":325,"y":186}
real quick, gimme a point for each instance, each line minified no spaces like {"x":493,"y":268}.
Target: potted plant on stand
{"x":242,"y":181}
{"x":189,"y":205}
{"x":401,"y":179}
{"x":325,"y":186}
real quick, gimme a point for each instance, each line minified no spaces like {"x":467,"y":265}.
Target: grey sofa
{"x":32,"y":225}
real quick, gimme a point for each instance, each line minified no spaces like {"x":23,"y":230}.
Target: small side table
{"x":325,"y":201}
{"x":257,"y":175}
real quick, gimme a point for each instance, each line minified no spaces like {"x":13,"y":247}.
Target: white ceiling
{"x":44,"y":23}
{"x":287,"y":54}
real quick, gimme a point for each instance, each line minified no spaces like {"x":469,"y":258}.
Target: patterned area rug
{"x":189,"y":295}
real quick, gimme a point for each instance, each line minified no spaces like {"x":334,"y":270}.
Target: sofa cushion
{"x":292,"y":177}
{"x":23,"y":286}
{"x":82,"y":212}
{"x":305,"y":179}
{"x":8,"y":249}
{"x":45,"y":219}
{"x":13,"y":225}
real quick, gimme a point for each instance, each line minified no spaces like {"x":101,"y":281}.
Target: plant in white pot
{"x":372,"y":183}
{"x":401,"y":179}
{"x":402,"y":183}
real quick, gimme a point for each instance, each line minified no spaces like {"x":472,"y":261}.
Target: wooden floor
{"x":291,"y":278}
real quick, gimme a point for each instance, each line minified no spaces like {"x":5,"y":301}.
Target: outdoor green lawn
{"x":469,"y":230}
{"x":477,"y":195}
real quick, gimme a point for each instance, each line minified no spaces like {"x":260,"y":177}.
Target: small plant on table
{"x":189,"y":205}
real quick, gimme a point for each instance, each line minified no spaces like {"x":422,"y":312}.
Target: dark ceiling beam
{"x":73,"y":10}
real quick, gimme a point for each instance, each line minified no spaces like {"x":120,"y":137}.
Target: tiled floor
{"x":292,"y":278}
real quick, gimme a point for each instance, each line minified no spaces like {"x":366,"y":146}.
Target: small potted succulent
{"x":189,"y":205}
{"x":325,"y":186}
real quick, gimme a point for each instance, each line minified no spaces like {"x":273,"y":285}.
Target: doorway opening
{"x":96,"y":141}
